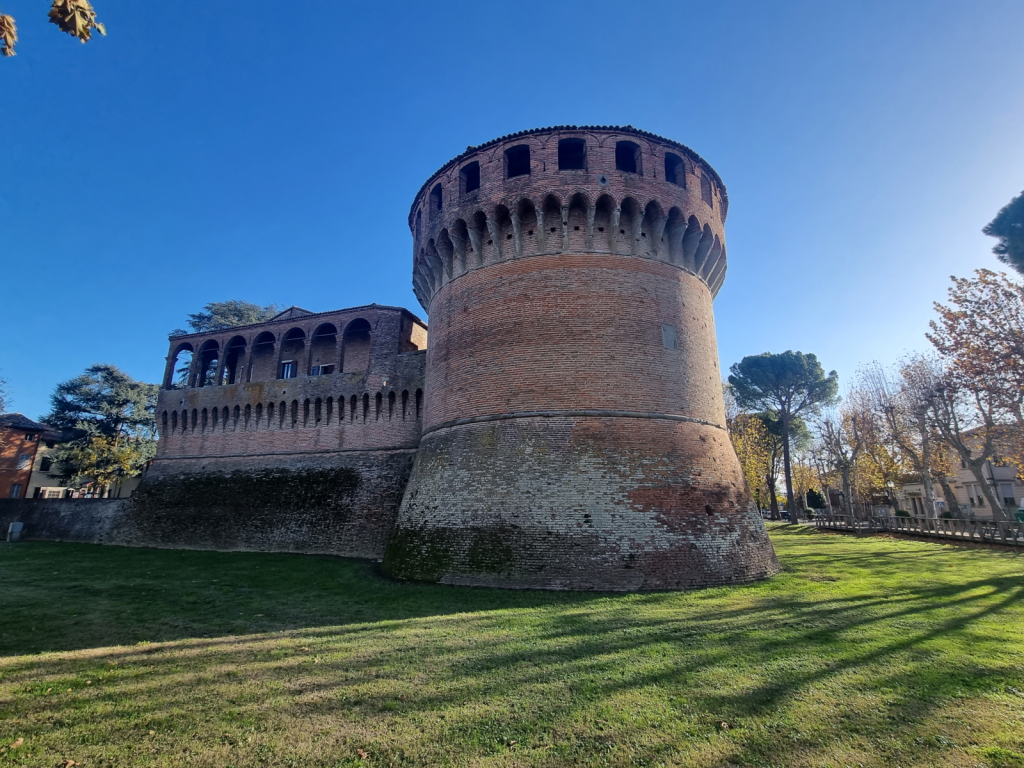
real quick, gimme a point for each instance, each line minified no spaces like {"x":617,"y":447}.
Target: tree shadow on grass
{"x":483,"y":668}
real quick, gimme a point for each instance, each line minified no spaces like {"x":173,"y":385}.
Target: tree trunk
{"x":950,"y":496}
{"x":847,"y":491}
{"x":787,"y":469}
{"x":926,"y":463}
{"x":978,"y":470}
{"x":772,"y":499}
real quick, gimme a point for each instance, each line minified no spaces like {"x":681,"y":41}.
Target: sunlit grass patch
{"x":863,"y":652}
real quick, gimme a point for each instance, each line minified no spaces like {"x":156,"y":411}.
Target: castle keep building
{"x":564,"y":427}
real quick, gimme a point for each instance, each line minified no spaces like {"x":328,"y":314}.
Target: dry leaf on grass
{"x":17,"y":743}
{"x":363,"y":754}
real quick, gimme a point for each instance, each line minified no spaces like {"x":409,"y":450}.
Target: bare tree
{"x":841,"y":440}
{"x":967,"y":419}
{"x":902,"y":403}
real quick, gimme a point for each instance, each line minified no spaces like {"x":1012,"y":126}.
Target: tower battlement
{"x":569,"y":190}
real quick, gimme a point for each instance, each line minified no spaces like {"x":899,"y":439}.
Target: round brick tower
{"x":574,"y":430}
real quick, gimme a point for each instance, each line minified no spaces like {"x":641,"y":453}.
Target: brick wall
{"x":339,"y":504}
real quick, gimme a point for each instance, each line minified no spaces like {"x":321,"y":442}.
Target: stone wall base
{"x":579,"y":503}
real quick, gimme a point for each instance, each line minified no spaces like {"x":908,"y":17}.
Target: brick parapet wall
{"x":318,"y":413}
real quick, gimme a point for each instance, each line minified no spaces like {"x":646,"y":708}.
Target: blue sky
{"x":270,"y":152}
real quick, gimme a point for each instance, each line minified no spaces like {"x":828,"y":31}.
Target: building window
{"x":289,"y":369}
{"x":1006,"y":491}
{"x":15,"y":491}
{"x":321,"y":370}
{"x":572,"y":154}
{"x":469,"y":177}
{"x":675,"y":171}
{"x":627,"y":157}
{"x":705,"y":189}
{"x":31,"y":438}
{"x":668,"y":336}
{"x":45,"y":464}
{"x":53,"y":494}
{"x":24,"y":460}
{"x":436,"y":202}
{"x":517,"y":161}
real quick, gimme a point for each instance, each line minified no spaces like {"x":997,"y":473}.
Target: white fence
{"x":1011,"y":533}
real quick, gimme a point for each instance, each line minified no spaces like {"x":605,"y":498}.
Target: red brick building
{"x":20,"y":437}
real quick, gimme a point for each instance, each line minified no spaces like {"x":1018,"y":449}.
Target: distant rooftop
{"x":21,"y":421}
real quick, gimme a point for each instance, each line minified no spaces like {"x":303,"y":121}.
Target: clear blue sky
{"x":270,"y":152}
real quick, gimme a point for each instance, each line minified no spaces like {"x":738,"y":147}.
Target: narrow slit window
{"x":436,"y":201}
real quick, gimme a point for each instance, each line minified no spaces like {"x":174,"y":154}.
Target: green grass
{"x":863,"y":652}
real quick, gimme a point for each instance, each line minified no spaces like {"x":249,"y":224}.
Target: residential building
{"x":19,"y":445}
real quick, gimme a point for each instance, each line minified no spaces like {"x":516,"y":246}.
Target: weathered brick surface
{"x":569,"y":442}
{"x":341,"y":504}
{"x":90,"y":521}
{"x":579,"y":503}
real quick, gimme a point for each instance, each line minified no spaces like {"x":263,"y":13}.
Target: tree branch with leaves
{"x":112,"y":418}
{"x":76,"y":17}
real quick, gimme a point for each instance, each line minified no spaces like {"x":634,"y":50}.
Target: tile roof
{"x":21,"y":421}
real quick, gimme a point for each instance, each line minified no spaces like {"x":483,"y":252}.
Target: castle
{"x":563,"y":428}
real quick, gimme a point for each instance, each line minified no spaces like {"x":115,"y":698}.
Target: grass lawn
{"x":863,"y":652}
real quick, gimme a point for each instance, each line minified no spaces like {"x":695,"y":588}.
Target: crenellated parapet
{"x":569,"y":189}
